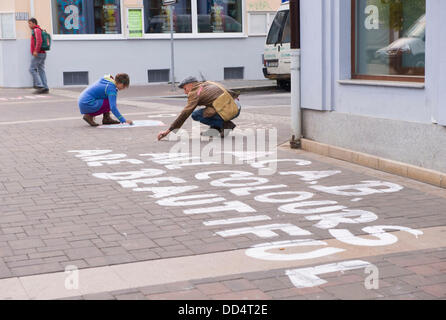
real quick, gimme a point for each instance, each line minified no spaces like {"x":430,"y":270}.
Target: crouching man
{"x":100,"y":98}
{"x":220,"y":107}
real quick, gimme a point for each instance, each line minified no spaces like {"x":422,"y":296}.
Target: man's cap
{"x":186,"y":81}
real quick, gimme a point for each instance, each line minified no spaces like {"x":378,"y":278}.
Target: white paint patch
{"x":225,"y":182}
{"x":298,"y":162}
{"x":157,"y":180}
{"x":97,"y":158}
{"x":162,"y":192}
{"x":227,"y":206}
{"x":89,"y":153}
{"x":235,"y":220}
{"x":364,"y":189}
{"x":295,"y":207}
{"x":233,"y":174}
{"x":113,"y":162}
{"x":182,"y":201}
{"x":129,"y":175}
{"x":310,"y":175}
{"x":261,"y":251}
{"x":268,"y":197}
{"x":136,"y":124}
{"x":331,"y":220}
{"x":162,"y":115}
{"x":384,"y":238}
{"x":266,"y":231}
{"x":247,"y":191}
{"x":308,"y":277}
{"x":164,"y":155}
{"x":356,"y":199}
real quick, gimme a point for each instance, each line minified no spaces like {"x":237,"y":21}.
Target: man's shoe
{"x":90,"y":120}
{"x":228,"y":126}
{"x":211,"y":132}
{"x":107,"y":119}
{"x":41,"y":90}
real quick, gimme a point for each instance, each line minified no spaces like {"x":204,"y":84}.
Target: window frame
{"x":269,"y":19}
{"x":356,"y":76}
{"x":148,"y":36}
{"x":14,"y":37}
{"x":117,"y":36}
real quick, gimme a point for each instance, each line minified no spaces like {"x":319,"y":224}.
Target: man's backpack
{"x":46,"y":40}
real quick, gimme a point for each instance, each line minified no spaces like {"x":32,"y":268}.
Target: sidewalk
{"x":156,"y":89}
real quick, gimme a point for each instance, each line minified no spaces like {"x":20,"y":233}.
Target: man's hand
{"x":130,"y":122}
{"x":162,"y":134}
{"x":35,"y":53}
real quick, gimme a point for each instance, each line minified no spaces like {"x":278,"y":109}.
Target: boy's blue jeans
{"x":215,"y":121}
{"x":37,"y":70}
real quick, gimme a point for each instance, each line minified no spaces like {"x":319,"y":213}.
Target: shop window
{"x":7,"y":26}
{"x":86,"y":16}
{"x":218,"y":16}
{"x":157,"y":16}
{"x":388,"y":39}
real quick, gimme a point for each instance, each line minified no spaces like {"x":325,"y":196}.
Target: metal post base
{"x":295,"y":143}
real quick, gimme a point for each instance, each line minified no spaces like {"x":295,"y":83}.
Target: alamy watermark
{"x":245,"y":146}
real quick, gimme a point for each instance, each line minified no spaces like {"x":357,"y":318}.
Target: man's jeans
{"x":215,"y":121}
{"x":37,"y":70}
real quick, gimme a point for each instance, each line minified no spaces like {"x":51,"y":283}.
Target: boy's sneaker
{"x":41,"y":91}
{"x":90,"y":120}
{"x":107,"y":119}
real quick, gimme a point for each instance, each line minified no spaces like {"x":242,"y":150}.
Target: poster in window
{"x":134,"y":17}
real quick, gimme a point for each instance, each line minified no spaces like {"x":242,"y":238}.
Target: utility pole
{"x":170,"y":4}
{"x":296,"y":113}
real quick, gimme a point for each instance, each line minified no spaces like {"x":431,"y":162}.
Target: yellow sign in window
{"x":135,"y":23}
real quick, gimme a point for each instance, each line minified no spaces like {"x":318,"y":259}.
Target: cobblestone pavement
{"x":72,"y":195}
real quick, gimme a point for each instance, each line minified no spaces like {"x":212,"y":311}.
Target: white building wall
{"x":395,"y":121}
{"x":135,"y":57}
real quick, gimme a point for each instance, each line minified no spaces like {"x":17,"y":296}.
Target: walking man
{"x":221,"y":106}
{"x":37,"y":68}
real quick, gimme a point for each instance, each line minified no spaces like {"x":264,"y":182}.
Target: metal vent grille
{"x":234,"y":73}
{"x":75,"y":78}
{"x":160,"y":75}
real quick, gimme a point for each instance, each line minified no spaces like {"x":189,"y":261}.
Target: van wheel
{"x":284,"y":84}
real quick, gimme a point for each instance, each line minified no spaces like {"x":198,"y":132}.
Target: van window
{"x":286,"y":34}
{"x":275,"y":32}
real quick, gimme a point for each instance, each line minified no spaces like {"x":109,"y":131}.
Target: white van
{"x":277,"y":57}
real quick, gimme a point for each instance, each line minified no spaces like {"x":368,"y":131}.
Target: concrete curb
{"x":402,"y":169}
{"x":250,"y":89}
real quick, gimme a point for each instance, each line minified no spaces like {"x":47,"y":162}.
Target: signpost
{"x":172,"y":62}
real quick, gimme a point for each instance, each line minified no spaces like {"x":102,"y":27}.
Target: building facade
{"x":374,"y":78}
{"x":218,"y":39}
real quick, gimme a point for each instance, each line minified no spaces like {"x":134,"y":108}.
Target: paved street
{"x":212,"y":221}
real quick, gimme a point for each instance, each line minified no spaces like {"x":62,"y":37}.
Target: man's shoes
{"x":41,"y":91}
{"x":107,"y":119}
{"x":90,"y":120}
{"x":212,"y":132}
{"x":228,"y":126}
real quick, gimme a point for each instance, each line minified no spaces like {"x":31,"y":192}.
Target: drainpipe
{"x":296,"y":113}
{"x":31,"y":8}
